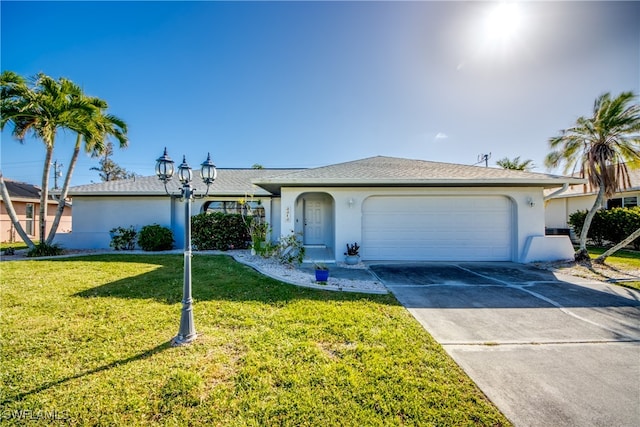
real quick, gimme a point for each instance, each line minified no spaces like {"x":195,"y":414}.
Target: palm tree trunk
{"x":12,"y":214}
{"x":65,"y":190}
{"x":583,"y":254}
{"x":633,"y":236}
{"x":44,"y":192}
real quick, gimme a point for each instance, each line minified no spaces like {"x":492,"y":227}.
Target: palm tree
{"x":93,"y":127}
{"x":13,"y":91}
{"x":42,"y":109}
{"x":630,"y":238}
{"x":12,"y":213}
{"x":600,"y":147}
{"x":515,"y":164}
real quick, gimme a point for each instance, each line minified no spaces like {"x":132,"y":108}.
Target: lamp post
{"x":208,"y":173}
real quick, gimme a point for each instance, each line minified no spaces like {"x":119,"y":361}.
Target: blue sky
{"x":305,"y":84}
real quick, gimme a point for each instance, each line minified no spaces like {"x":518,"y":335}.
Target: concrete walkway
{"x":547,"y":350}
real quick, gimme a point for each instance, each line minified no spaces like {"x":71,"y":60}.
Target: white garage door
{"x":475,"y":228}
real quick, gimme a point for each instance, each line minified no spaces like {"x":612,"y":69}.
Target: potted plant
{"x":352,"y":254}
{"x":322,"y":272}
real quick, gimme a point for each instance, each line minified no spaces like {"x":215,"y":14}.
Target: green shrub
{"x":219,"y":231}
{"x":612,"y":225}
{"x":258,"y":231}
{"x":44,"y":249}
{"x":123,"y":239}
{"x":623,"y":222}
{"x":155,"y":238}
{"x":595,"y":234}
{"x":291,"y":249}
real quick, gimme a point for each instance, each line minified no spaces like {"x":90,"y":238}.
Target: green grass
{"x":87,"y":340}
{"x":15,"y":245}
{"x":621,"y":260}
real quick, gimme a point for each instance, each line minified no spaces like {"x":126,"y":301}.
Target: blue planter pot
{"x":322,"y":275}
{"x":352,"y":259}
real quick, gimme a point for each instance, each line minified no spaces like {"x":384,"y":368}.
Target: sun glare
{"x":496,"y":31}
{"x":503,"y":21}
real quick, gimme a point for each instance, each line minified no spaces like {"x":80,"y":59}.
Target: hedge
{"x":219,"y":231}
{"x":608,"y":225}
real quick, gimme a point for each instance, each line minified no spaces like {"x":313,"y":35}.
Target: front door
{"x":314,"y":222}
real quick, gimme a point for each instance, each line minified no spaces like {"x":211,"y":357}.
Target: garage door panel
{"x":437,"y":228}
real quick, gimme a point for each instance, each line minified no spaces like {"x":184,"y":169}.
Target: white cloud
{"x":441,"y":135}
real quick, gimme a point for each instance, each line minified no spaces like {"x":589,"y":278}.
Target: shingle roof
{"x":392,"y":171}
{"x":229,"y":182}
{"x":29,"y":193}
{"x":373,"y":171}
{"x":21,"y":190}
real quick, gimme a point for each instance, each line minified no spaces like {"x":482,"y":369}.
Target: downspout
{"x":564,"y":188}
{"x":546,"y":199}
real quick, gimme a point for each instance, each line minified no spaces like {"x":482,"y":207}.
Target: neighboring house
{"x":396,"y":209}
{"x":26,"y":202}
{"x":558,"y":207}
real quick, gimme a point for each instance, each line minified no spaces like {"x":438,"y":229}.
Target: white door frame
{"x":322,"y":217}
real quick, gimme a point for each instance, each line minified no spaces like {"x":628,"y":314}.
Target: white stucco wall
{"x":93,"y":217}
{"x":528,"y":210}
{"x":274,"y":219}
{"x":557,"y":211}
{"x":548,"y":248}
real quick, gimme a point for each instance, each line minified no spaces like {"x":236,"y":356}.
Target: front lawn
{"x":622,"y":258}
{"x":85,"y":341}
{"x":14,"y":245}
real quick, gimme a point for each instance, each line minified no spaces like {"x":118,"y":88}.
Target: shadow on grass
{"x":602,"y":273}
{"x":141,"y":356}
{"x":214,"y":277}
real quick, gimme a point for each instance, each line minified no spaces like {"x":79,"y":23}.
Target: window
{"x":622,"y":202}
{"x":614,"y":203}
{"x":29,"y":222}
{"x":234,"y":208}
{"x":629,"y":202}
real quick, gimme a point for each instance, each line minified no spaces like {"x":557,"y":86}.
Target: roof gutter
{"x":564,"y":188}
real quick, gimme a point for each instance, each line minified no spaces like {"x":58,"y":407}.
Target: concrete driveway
{"x":547,"y":350}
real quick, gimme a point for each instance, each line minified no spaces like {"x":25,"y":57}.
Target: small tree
{"x":110,"y":170}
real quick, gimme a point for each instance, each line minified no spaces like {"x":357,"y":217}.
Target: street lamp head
{"x":208,"y":171}
{"x":184,"y":172}
{"x":164,"y":167}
